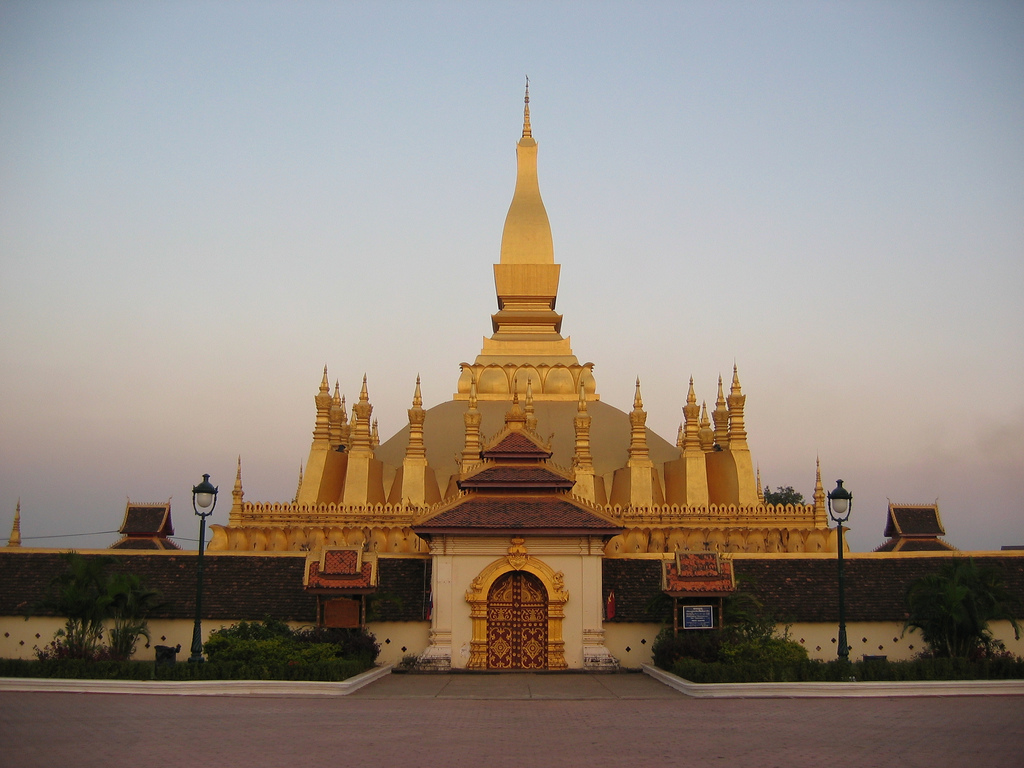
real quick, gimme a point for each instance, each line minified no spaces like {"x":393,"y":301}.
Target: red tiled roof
{"x":235,"y":587}
{"x":341,"y":562}
{"x":921,"y":544}
{"x":798,"y":589}
{"x":516,"y":444}
{"x":144,"y":542}
{"x":339,"y":582}
{"x":341,"y":570}
{"x":517,"y":476}
{"x":518,"y":512}
{"x":698,"y":573}
{"x":913,"y":521}
{"x":147,"y":519}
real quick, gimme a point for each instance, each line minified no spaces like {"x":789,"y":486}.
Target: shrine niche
{"x":698,"y":580}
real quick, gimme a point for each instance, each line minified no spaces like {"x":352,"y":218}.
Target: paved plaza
{"x":507,"y":720}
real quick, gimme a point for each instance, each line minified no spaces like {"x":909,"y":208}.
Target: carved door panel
{"x":517,"y":623}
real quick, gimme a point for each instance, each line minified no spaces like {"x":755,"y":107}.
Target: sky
{"x":202,"y":204}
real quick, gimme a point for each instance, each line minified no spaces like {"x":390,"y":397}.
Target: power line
{"x":67,"y":535}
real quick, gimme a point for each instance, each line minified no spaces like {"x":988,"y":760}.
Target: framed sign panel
{"x":698,"y":617}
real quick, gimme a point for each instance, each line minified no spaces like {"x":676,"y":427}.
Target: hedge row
{"x":76,"y":669}
{"x":838,"y":671}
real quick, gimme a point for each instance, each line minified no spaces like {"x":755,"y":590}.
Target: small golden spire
{"x":691,"y":416}
{"x":236,"y":493}
{"x":706,"y":435}
{"x":760,"y":493}
{"x":721,"y":417}
{"x":335,"y":420}
{"x":374,"y":435}
{"x":472,"y":417}
{"x":679,"y":436}
{"x":736,"y":400}
{"x":322,"y":426}
{"x":417,"y":416}
{"x":638,"y":450}
{"x":296,"y":499}
{"x":820,"y":510}
{"x":15,"y":538}
{"x":360,"y":436}
{"x":531,"y":416}
{"x":582,"y":460}
{"x":527,"y":131}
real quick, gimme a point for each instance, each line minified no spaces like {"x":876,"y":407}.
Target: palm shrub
{"x":952,"y":608}
{"x":88,"y":596}
{"x":130,"y":602}
{"x":80,"y":595}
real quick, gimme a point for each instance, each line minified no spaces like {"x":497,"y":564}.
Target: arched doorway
{"x":517,"y":622}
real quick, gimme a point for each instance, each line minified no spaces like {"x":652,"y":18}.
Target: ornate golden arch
{"x":517,"y":560}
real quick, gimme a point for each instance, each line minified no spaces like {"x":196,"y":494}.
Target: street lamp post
{"x":204,"y":499}
{"x":840,"y":501}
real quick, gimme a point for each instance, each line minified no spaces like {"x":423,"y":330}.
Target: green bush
{"x":272,"y":642}
{"x":770,"y":650}
{"x":670,"y":646}
{"x":806,"y":670}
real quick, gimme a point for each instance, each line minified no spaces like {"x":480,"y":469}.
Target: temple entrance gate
{"x":517,"y":622}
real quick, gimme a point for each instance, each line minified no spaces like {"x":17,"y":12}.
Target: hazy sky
{"x":201,"y":204}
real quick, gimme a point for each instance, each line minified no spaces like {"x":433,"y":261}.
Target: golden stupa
{"x":699,"y":493}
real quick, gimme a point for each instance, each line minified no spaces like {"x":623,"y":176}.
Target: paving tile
{"x":403,"y":728}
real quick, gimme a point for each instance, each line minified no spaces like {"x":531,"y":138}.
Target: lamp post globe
{"x":204,"y":500}
{"x":840,"y":504}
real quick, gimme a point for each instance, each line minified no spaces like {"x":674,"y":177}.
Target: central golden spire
{"x":526,"y":277}
{"x":527,"y":334}
{"x":526,"y":238}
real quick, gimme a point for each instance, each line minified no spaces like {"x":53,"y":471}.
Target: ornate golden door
{"x":517,"y":623}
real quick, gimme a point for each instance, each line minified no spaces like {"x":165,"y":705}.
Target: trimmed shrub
{"x":843,"y":671}
{"x":331,"y":670}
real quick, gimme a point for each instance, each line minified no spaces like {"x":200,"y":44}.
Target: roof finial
{"x":527,"y":131}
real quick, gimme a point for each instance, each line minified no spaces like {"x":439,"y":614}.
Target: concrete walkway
{"x":468,"y":721}
{"x":519,"y":685}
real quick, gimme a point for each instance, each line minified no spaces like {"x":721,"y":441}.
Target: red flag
{"x":609,"y":605}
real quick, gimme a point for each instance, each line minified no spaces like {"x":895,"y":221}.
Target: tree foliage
{"x":87,"y":595}
{"x":783,"y":495}
{"x":952,"y":608}
{"x":130,"y":603}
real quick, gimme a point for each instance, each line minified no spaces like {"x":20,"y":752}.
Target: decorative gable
{"x":694,"y":574}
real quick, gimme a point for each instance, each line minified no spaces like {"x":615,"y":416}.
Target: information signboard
{"x":698,"y":617}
